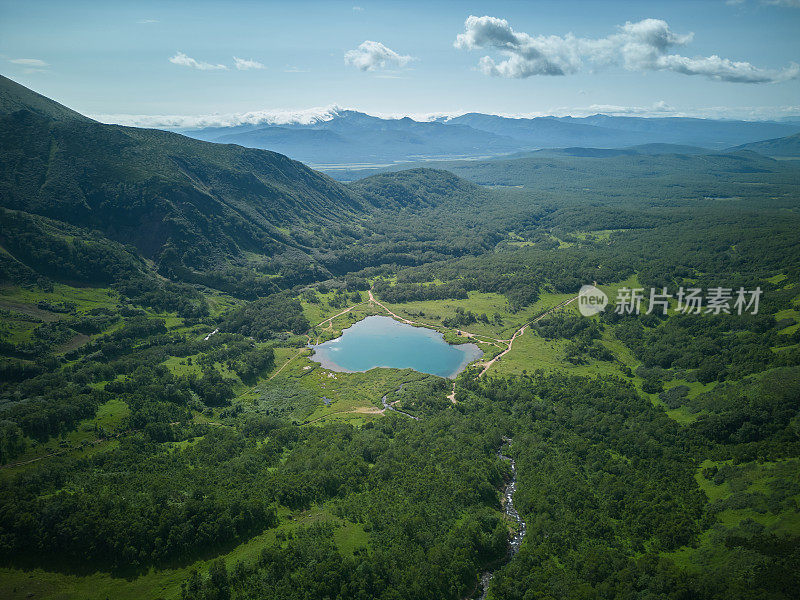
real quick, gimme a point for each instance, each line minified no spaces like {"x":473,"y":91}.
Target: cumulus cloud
{"x":247,"y":64}
{"x":525,"y":55}
{"x":28,"y":62}
{"x":187,"y":61}
{"x":646,"y":45}
{"x":723,"y":69}
{"x":371,"y":56}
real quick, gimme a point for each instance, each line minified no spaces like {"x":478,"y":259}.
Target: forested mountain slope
{"x":158,"y":190}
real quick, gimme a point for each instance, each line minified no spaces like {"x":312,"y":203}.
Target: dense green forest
{"x":164,"y":432}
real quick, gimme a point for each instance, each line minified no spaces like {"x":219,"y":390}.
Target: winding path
{"x":520,"y":331}
{"x":271,"y":377}
{"x":329,"y":320}
{"x":496,"y":341}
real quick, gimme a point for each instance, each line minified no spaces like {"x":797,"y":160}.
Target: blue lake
{"x":384,"y":342}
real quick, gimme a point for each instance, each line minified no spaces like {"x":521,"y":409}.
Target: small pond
{"x":384,"y":342}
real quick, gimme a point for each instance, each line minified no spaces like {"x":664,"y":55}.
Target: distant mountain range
{"x":353,"y":137}
{"x":350,"y":137}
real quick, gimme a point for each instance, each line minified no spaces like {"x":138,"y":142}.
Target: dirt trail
{"x":329,"y":320}
{"x":508,"y":342}
{"x":520,"y":331}
{"x":396,"y":316}
{"x":271,"y":377}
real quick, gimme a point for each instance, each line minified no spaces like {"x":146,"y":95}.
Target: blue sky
{"x":113,"y":58}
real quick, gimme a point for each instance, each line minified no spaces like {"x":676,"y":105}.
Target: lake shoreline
{"x":376,"y":334}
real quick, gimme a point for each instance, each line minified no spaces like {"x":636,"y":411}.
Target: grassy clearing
{"x":85,"y":298}
{"x":111,"y":415}
{"x":433,"y":312}
{"x":599,"y":235}
{"x":531,"y":352}
{"x":307,"y":392}
{"x":789,"y":313}
{"x":682,"y":414}
{"x":184,"y":366}
{"x":333,"y":328}
{"x":316,"y":312}
{"x":219,"y":302}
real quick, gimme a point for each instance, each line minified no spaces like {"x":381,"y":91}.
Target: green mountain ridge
{"x":788,"y":146}
{"x":14,"y":97}
{"x":158,"y":190}
{"x":244,"y":220}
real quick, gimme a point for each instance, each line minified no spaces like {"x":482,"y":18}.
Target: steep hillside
{"x":14,"y":97}
{"x":158,"y":190}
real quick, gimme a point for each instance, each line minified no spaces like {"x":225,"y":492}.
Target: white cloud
{"x":293,"y":69}
{"x":525,"y":55}
{"x":642,"y":46}
{"x":358,"y":9}
{"x":146,"y":21}
{"x":181,"y":59}
{"x":29,"y":62}
{"x":247,"y":64}
{"x":723,"y":69}
{"x":371,"y":56}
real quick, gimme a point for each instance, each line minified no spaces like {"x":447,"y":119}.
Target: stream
{"x":388,"y":406}
{"x":510,"y":511}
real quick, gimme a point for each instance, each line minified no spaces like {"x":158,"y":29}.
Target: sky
{"x":183,"y":63}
